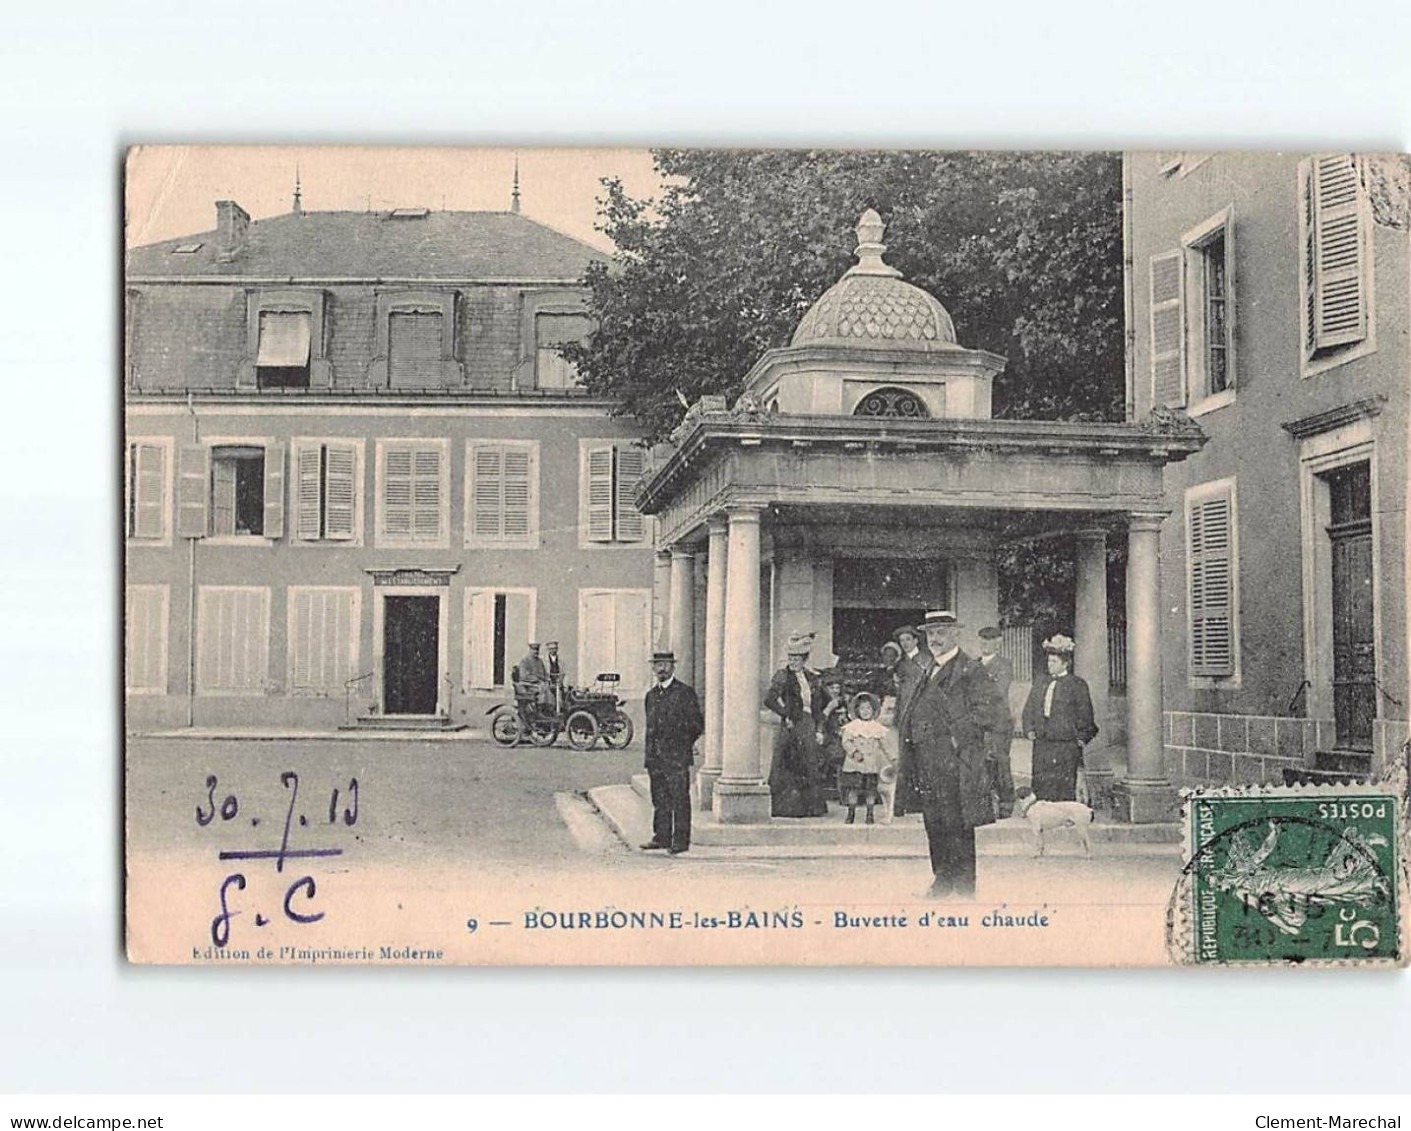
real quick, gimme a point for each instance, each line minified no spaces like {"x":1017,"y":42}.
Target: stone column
{"x":741,"y":795}
{"x":1145,"y":796}
{"x":1091,"y":661}
{"x":714,"y":702}
{"x":661,"y":601}
{"x":683,"y":613}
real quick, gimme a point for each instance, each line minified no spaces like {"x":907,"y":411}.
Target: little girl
{"x":864,"y":755}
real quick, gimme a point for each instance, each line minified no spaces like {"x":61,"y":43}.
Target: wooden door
{"x":1354,"y":652}
{"x":410,"y":655}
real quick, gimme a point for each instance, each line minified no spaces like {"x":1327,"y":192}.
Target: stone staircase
{"x":439,"y":724}
{"x":627,"y":809}
{"x":1333,"y":767}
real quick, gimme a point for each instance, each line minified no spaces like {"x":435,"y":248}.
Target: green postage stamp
{"x":1301,"y":874}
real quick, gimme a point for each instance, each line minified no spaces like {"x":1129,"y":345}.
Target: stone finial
{"x":870,"y":247}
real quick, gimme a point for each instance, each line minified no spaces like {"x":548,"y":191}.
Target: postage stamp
{"x":1289,"y":875}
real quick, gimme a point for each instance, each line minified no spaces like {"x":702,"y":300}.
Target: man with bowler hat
{"x":673,"y":724}
{"x":946,"y":723}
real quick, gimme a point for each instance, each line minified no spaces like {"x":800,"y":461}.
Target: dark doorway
{"x":1354,"y":653}
{"x":411,"y":645}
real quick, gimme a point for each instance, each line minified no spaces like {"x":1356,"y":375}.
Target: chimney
{"x":232,"y":230}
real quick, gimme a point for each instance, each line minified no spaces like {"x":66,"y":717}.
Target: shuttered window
{"x":613,"y":635}
{"x":324,"y":628}
{"x":412,"y":502}
{"x":499,"y":623}
{"x":1211,"y":579}
{"x":326,"y":491}
{"x":502,"y":492}
{"x":414,"y":348}
{"x":611,"y":472}
{"x":147,"y":475}
{"x":232,"y":642}
{"x":1168,"y":370}
{"x":146,"y":633}
{"x":1336,"y":254}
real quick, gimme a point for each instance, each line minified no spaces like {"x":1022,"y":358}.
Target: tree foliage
{"x":1024,"y":250}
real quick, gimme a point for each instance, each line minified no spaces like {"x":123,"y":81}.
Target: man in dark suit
{"x":997,"y":742}
{"x":673,"y":724}
{"x":1058,"y":716}
{"x":946,"y":724}
{"x":910,"y":671}
{"x":554,"y":670}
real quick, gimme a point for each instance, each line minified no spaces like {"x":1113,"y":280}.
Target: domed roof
{"x":873,"y":306}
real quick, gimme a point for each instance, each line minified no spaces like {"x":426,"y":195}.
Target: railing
{"x":1117,"y":657}
{"x":348,"y":685}
{"x":1017,"y":646}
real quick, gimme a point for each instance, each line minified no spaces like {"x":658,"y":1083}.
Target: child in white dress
{"x":864,"y":755}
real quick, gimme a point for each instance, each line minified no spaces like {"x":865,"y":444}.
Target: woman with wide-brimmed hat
{"x":1058,"y":718}
{"x":795,"y":774}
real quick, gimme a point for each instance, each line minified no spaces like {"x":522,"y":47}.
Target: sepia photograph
{"x":764,"y":556}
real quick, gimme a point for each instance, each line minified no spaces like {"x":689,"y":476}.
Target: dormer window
{"x":552,"y":331}
{"x":283,"y":358}
{"x":285,"y":341}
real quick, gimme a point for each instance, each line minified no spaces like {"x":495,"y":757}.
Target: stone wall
{"x":1243,"y":749}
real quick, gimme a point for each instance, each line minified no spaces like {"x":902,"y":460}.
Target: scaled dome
{"x":872,"y":305}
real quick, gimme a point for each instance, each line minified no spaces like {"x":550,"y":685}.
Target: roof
{"x":361,"y":245}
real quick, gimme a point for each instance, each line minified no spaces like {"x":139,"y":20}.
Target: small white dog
{"x":1045,"y":815}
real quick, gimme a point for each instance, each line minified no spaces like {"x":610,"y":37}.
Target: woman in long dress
{"x":795,"y":775}
{"x":1058,"y":717}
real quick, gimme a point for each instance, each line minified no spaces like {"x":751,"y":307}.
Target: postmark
{"x":1289,"y":875}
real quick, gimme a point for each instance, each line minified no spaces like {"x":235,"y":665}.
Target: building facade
{"x":859,"y":481}
{"x":359,"y":477}
{"x":1269,"y":295}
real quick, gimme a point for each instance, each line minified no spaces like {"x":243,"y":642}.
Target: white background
{"x":78,"y":82}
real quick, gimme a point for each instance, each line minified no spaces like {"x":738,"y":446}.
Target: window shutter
{"x":414,"y":348}
{"x":597,"y":643}
{"x":307,"y":492}
{"x":1211,"y":565}
{"x":631,"y":643}
{"x":600,"y":493}
{"x":1340,"y":310}
{"x":1168,"y":368}
{"x":233,"y":652}
{"x":1308,"y":230}
{"x":397,"y":492}
{"x":340,"y":492}
{"x":149,"y":488}
{"x":274,"y":491}
{"x":192,"y":488}
{"x":223,"y":476}
{"x":323,"y":638}
{"x":518,"y":494}
{"x":487,"y":467}
{"x":631,"y":461}
{"x":480,"y":638}
{"x":426,"y":497}
{"x":146,"y":638}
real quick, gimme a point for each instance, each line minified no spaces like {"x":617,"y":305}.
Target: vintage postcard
{"x":765,"y":557}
